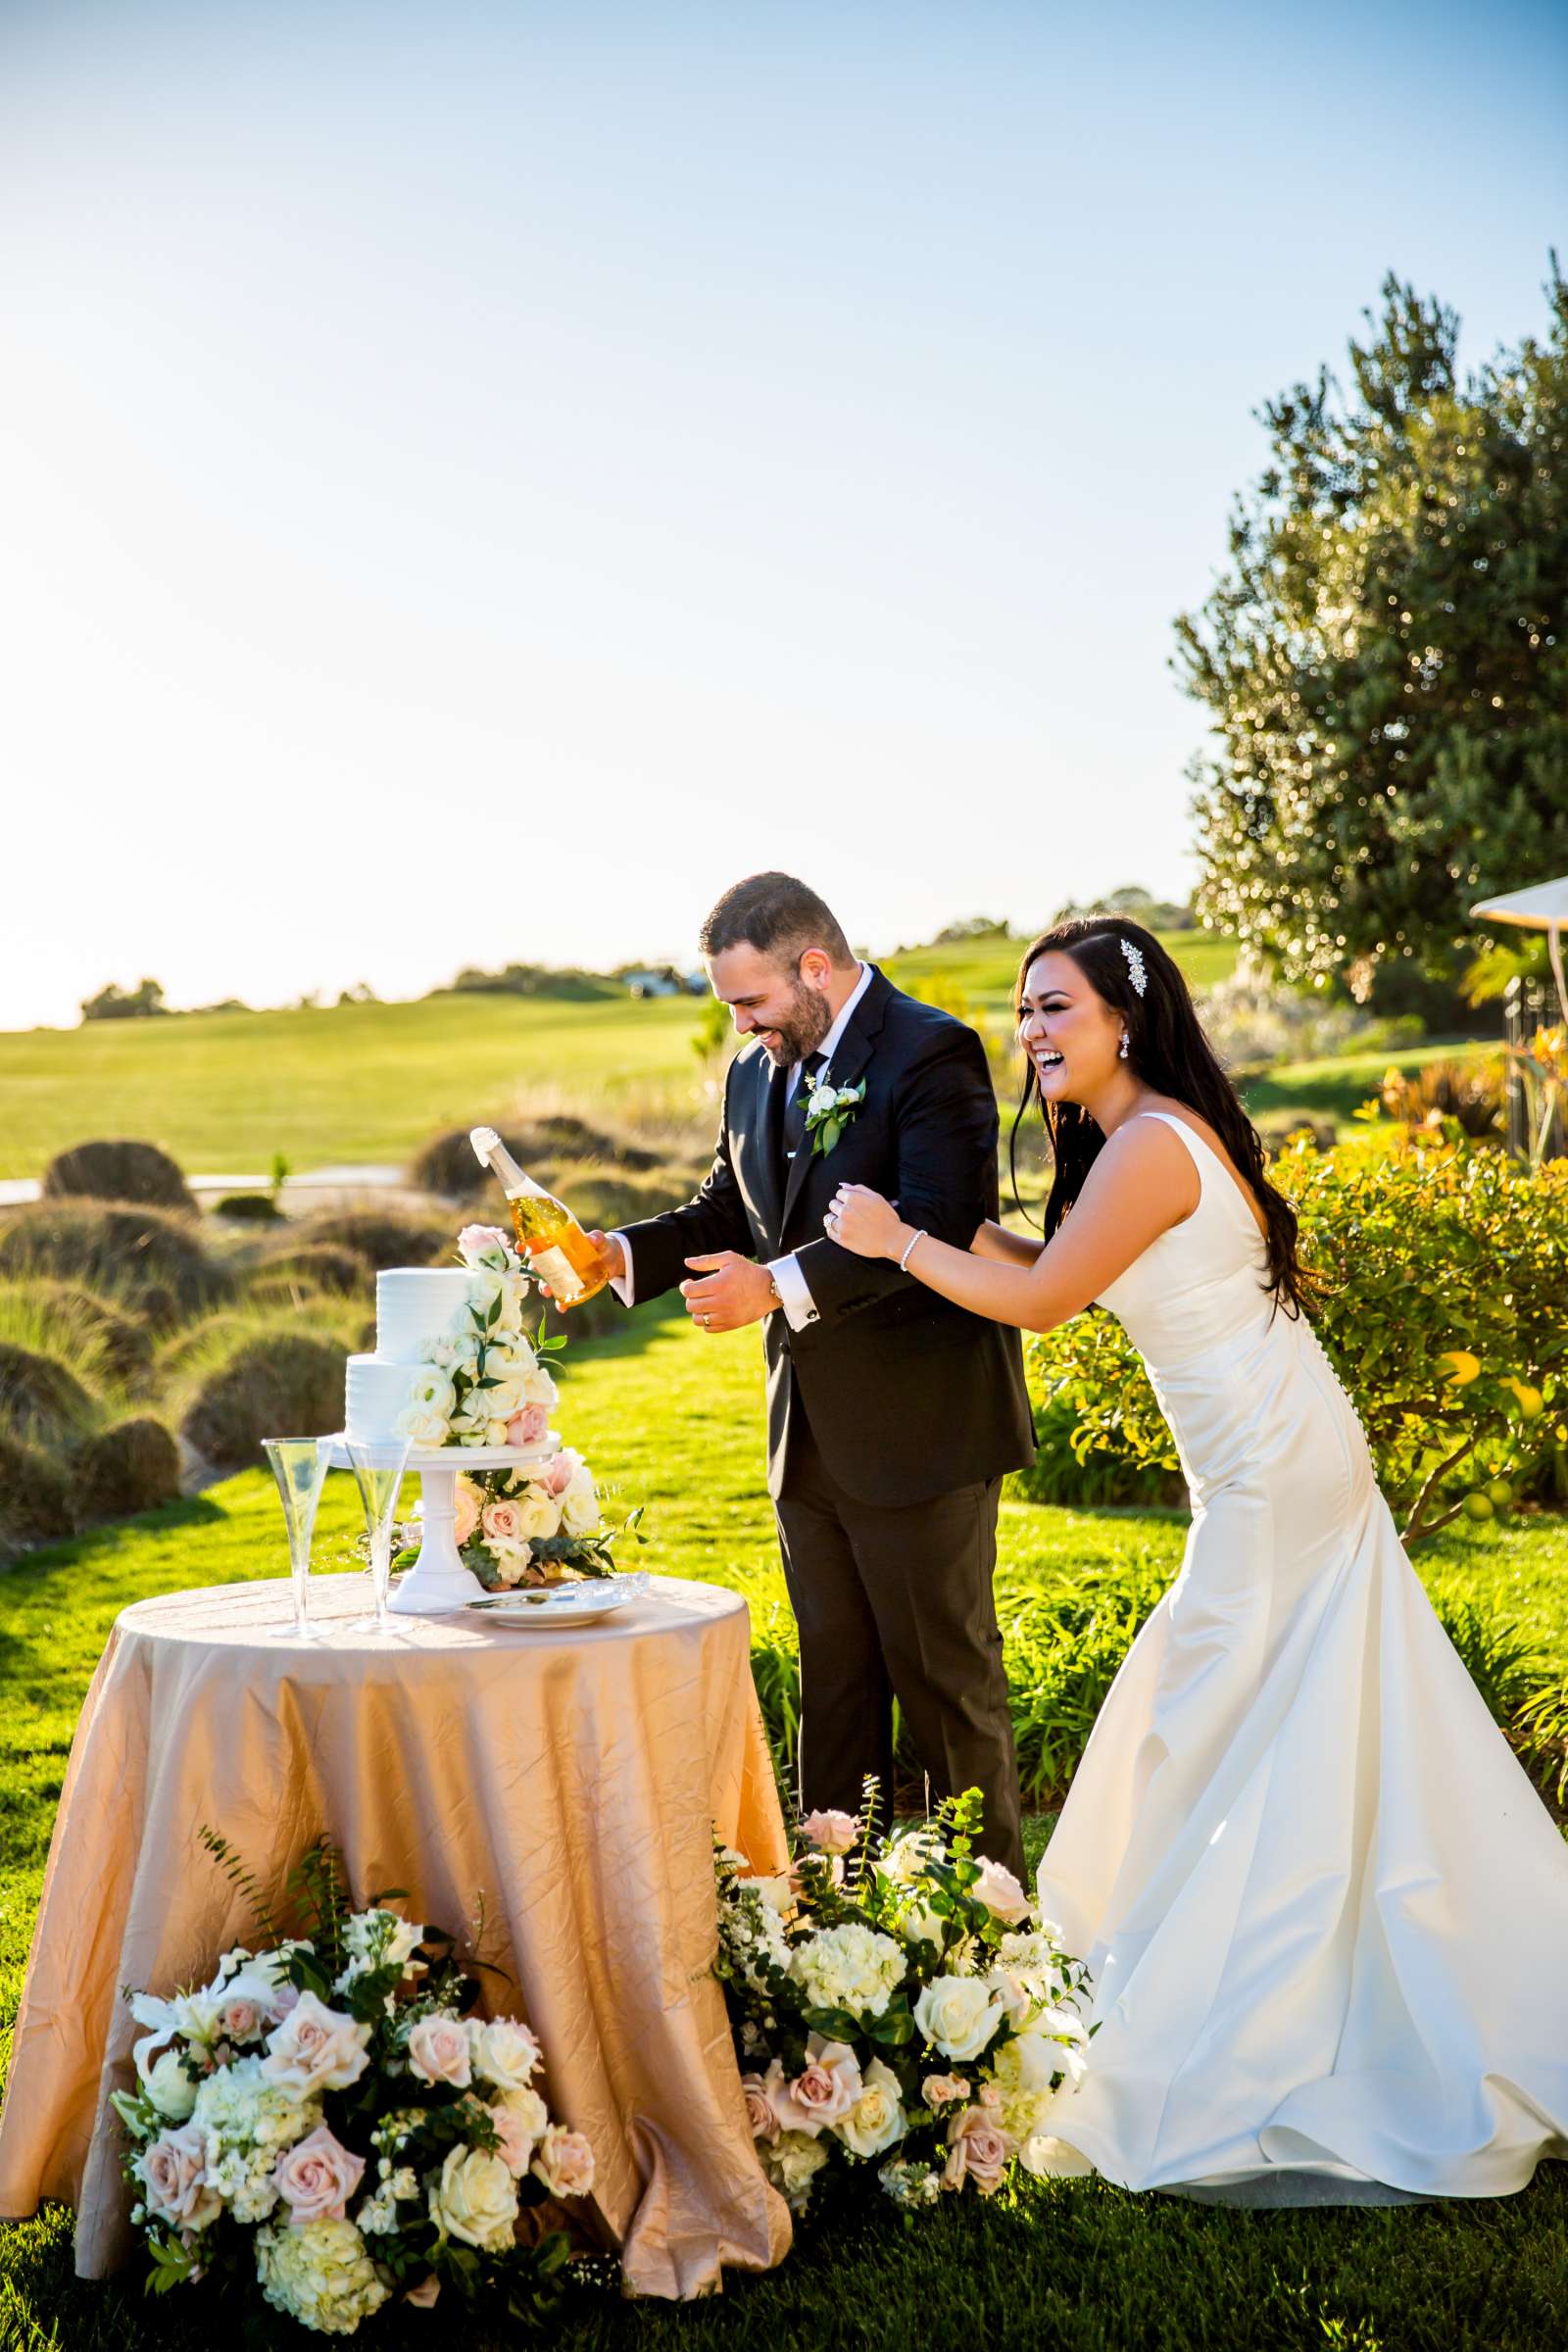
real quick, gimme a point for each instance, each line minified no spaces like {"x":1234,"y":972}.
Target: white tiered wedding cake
{"x":424,"y":1316}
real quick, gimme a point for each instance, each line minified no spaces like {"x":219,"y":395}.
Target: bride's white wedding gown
{"x":1326,"y":1912}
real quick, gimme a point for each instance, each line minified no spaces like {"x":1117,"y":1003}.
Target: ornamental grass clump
{"x":330,"y":2127}
{"x":253,"y":1379}
{"x":120,"y":1170}
{"x":130,"y":1467}
{"x":153,"y":1261}
{"x":901,"y":2017}
{"x":37,"y":1499}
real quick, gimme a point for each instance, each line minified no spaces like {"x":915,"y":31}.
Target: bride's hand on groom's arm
{"x":861,"y":1221}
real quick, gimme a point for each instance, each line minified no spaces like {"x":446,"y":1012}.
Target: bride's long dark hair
{"x":1169,"y":1052}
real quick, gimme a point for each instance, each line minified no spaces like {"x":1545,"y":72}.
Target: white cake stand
{"x":438,"y":1581}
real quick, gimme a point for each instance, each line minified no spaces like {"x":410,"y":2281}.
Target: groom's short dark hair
{"x":779,"y":916}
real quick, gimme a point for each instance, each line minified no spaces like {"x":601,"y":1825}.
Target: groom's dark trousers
{"x":892,"y":1417}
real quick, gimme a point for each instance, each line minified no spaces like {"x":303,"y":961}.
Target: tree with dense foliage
{"x":114,"y":1003}
{"x":1386,"y":658}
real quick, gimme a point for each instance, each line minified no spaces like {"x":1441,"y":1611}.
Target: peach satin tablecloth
{"x":572,"y":1779}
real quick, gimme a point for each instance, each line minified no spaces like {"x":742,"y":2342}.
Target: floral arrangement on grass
{"x":327,"y":2121}
{"x":897,"y":2009}
{"x":487,"y":1386}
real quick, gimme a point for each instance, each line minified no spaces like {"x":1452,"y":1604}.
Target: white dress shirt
{"x":794,"y":1291}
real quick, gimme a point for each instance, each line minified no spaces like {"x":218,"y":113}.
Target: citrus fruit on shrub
{"x":1531,"y":1404}
{"x":1466,"y":1367}
{"x":1479,"y":1506}
{"x":1500,"y":1494}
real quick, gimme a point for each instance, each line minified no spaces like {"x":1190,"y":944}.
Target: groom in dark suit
{"x":890,"y":1415}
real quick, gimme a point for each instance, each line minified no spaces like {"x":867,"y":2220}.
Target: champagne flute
{"x":299,"y":1467}
{"x":379,"y":1470}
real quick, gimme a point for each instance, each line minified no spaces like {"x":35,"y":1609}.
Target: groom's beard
{"x":802,"y":1029}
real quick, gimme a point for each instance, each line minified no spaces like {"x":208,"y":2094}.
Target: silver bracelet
{"x":904,"y":1262}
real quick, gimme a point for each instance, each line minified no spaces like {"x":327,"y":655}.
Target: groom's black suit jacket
{"x":907,"y":1396}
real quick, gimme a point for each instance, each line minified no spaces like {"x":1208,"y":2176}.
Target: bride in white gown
{"x":1326,"y":1913}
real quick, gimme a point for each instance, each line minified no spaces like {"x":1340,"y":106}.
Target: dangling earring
{"x":1122,"y":1050}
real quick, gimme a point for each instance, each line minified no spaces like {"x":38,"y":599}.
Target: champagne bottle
{"x":548,"y":1233}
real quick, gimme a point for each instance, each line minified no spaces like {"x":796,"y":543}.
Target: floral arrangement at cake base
{"x":536,"y":1526}
{"x":328,"y":2126}
{"x":900,"y":2013}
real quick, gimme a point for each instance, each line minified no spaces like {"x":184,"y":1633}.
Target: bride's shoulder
{"x":1144,"y":1150}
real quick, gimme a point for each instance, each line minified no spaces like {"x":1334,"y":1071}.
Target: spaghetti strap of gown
{"x":1325,"y":1910}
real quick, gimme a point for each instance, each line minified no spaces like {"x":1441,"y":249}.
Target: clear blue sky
{"x":475,"y":479}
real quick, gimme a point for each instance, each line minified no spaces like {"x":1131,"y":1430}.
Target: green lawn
{"x":1336,"y":1087}
{"x":223,"y":1092}
{"x":1066,"y":2267}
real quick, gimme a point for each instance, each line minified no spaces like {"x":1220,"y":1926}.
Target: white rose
{"x":777,"y":1892}
{"x":505,"y":2053}
{"x":475,"y":2200}
{"x":509,"y":1314}
{"x":539,"y":1389}
{"x":432,"y":1395}
{"x":792,"y":2163}
{"x":959,"y":2015}
{"x":424,"y":1428}
{"x":537,"y":1515}
{"x":579,"y":1505}
{"x":918,"y":1920}
{"x":908,"y":1858}
{"x":876,"y":2120}
{"x":169,"y":2088}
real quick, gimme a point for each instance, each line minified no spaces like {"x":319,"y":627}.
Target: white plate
{"x":554,"y":1604}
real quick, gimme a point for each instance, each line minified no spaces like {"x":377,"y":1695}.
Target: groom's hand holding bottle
{"x":732,"y":1291}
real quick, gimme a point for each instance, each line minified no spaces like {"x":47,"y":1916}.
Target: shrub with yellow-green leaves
{"x":1444,"y":1273}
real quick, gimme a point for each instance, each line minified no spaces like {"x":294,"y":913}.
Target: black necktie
{"x":795,"y":1109}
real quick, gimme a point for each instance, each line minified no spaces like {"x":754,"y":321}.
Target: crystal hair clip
{"x":1134,"y":964}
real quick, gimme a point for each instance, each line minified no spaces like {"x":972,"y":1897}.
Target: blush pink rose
{"x":315,"y":2049}
{"x":825,"y":2090}
{"x":978,"y":2149}
{"x":520,"y":2118}
{"x":941,"y":2090}
{"x":474,"y":1239}
{"x":557,"y":1475}
{"x":317,"y":2177}
{"x":565,"y":2163}
{"x":1001,"y":1892}
{"x":241,"y":2020}
{"x":503,"y":1522}
{"x":174,"y":2173}
{"x":467,"y":1519}
{"x":759,"y":2109}
{"x":530,"y":1427}
{"x":831,"y":1833}
{"x":439,"y":2051}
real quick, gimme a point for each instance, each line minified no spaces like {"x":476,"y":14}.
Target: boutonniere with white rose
{"x":829,"y":1108}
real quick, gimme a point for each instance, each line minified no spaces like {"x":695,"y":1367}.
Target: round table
{"x":572,"y":1779}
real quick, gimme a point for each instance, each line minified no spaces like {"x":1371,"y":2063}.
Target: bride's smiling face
{"x":1071,"y":1034}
